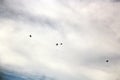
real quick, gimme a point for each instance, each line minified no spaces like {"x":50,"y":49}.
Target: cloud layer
{"x":89,"y":31}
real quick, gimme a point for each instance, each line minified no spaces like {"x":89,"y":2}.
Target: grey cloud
{"x":27,"y":18}
{"x":7,"y":12}
{"x":88,"y":1}
{"x":100,"y":60}
{"x":112,"y":0}
{"x":12,"y":75}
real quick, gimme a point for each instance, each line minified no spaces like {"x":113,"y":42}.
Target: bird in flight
{"x":56,"y":44}
{"x":107,"y":60}
{"x":30,"y":35}
{"x":61,"y":43}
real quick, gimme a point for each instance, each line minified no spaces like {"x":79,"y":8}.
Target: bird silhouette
{"x":107,"y":60}
{"x":56,"y":44}
{"x":30,"y":35}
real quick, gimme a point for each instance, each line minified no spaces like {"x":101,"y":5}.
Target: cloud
{"x":89,"y":32}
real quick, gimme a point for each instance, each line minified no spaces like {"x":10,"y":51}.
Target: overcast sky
{"x":89,"y":31}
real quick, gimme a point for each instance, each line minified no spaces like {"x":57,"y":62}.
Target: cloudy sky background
{"x":88,"y":29}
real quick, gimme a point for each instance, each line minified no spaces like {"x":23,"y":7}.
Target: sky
{"x":88,"y":30}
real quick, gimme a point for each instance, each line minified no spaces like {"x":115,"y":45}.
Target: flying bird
{"x":107,"y":60}
{"x":30,"y":35}
{"x":56,"y":44}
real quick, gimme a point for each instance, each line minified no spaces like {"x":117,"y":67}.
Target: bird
{"x":107,"y":60}
{"x":56,"y":44}
{"x":30,"y":35}
{"x":61,"y":43}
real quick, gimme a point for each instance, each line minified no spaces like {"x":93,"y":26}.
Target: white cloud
{"x":89,"y":32}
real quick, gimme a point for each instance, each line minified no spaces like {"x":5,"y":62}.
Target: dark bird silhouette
{"x":56,"y":44}
{"x":107,"y":60}
{"x":61,"y":43}
{"x":30,"y":35}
